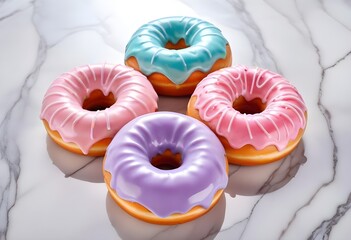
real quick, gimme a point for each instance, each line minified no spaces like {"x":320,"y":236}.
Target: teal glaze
{"x":205,"y":45}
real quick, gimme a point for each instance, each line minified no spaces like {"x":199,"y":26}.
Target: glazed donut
{"x":257,"y":114}
{"x":84,"y":108}
{"x":165,"y":168}
{"x":175,"y":53}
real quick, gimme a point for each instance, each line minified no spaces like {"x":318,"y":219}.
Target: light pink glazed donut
{"x":84,"y":108}
{"x":257,"y":114}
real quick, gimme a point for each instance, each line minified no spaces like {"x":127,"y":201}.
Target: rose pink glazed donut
{"x":257,"y":114}
{"x":165,"y":168}
{"x":83,"y":109}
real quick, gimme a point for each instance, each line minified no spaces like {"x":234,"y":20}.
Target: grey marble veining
{"x":43,"y":195}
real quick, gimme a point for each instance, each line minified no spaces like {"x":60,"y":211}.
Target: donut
{"x":257,"y":114}
{"x":84,"y":108}
{"x":175,"y":53}
{"x":165,"y":168}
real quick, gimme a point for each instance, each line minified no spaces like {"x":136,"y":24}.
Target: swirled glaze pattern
{"x":277,"y":124}
{"x":164,"y":192}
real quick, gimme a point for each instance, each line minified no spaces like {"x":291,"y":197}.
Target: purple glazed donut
{"x":165,"y":168}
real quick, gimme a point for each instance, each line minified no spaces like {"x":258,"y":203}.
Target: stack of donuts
{"x":165,"y":167}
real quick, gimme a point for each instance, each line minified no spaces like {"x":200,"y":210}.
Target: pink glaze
{"x":62,"y":104}
{"x":276,"y":125}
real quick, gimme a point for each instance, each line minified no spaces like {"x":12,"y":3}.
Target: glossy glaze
{"x":62,"y":103}
{"x":205,"y":45}
{"x":277,"y":124}
{"x":164,"y":192}
{"x":308,"y":42}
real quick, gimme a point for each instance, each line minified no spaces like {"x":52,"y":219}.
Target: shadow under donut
{"x":173,"y":104}
{"x":261,"y":179}
{"x":88,"y":168}
{"x":74,"y":165}
{"x":128,"y":227}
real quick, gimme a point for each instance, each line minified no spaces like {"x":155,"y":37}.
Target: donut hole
{"x":98,"y":101}
{"x":167,"y":160}
{"x":179,"y":45}
{"x":249,"y":107}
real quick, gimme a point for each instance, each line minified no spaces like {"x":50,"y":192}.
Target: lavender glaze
{"x":164,"y":192}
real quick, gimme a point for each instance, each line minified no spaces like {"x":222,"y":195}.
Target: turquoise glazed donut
{"x":176,"y":52}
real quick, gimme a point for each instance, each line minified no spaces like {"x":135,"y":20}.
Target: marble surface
{"x":47,"y":193}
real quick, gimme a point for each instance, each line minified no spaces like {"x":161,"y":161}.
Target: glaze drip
{"x":205,"y":45}
{"x":62,"y":103}
{"x":277,"y":124}
{"x":201,"y":174}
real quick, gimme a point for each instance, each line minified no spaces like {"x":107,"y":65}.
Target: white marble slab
{"x":306,"y":196}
